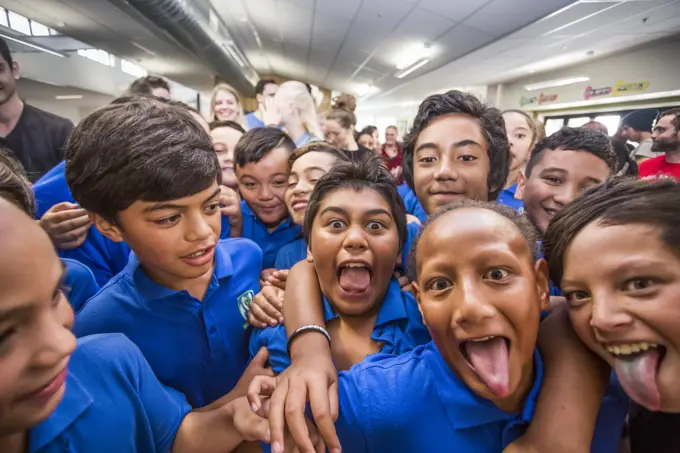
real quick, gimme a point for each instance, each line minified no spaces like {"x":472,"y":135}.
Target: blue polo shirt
{"x":507,"y":197}
{"x":197,"y":347}
{"x":80,"y":283}
{"x":411,"y":202}
{"x":104,"y":257}
{"x":415,"y":403}
{"x":270,"y":242}
{"x":290,"y":254}
{"x":398,"y":328}
{"x":253,"y":122}
{"x":112,"y":403}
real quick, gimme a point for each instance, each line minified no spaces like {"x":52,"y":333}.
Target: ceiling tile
{"x":502,"y":17}
{"x":456,"y":11}
{"x":338,"y":9}
{"x":463,"y":39}
{"x":423,"y":26}
{"x":565,"y":16}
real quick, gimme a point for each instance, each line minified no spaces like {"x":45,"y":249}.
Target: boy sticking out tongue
{"x":616,"y":254}
{"x":480,"y":290}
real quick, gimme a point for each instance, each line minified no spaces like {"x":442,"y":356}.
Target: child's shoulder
{"x":241,"y":249}
{"x":105,"y":352}
{"x":395,"y":370}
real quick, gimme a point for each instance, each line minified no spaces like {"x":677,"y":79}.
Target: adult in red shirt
{"x":666,"y":139}
{"x":390,"y":151}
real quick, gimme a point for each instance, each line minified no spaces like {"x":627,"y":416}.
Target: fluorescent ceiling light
{"x":417,"y":65}
{"x":411,"y":55}
{"x":235,"y":54}
{"x":365,"y":89}
{"x":555,"y":83}
{"x":33,"y":46}
{"x":66,"y":97}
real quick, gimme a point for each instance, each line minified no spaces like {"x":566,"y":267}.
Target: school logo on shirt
{"x":244,"y":301}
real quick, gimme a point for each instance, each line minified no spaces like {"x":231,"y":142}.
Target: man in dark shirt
{"x":36,"y":137}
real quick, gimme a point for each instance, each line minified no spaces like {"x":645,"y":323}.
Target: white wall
{"x":657,"y":65}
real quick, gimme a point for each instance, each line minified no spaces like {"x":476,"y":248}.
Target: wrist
{"x":308,"y":343}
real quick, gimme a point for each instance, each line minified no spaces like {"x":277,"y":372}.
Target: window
{"x":98,"y":55}
{"x":19,"y":23}
{"x":553,"y":125}
{"x":132,"y":69}
{"x":3,"y":17}
{"x":611,"y":121}
{"x":38,"y":29}
{"x":578,"y":121}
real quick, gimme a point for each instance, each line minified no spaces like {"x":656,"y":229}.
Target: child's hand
{"x":270,"y":113}
{"x":230,"y":206}
{"x":278,"y":278}
{"x":66,"y":224}
{"x":266,"y":308}
{"x":249,"y":425}
{"x":255,"y":368}
{"x":412,"y":219}
{"x":404,"y":282}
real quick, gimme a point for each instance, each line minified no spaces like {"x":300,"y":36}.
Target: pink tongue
{"x":637,"y":375}
{"x":490,"y":361}
{"x":356,"y":279}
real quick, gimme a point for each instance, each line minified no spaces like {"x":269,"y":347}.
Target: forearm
{"x":302,"y":303}
{"x":207,"y":432}
{"x":574,"y":384}
{"x":229,"y":397}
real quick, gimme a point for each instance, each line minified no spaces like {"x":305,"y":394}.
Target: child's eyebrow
{"x":334,"y":209}
{"x":378,"y":211}
{"x":161,"y":206}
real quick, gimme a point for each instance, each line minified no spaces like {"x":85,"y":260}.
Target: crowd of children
{"x":235,"y":291}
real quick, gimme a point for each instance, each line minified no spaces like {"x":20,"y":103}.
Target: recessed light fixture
{"x":414,"y":67}
{"x":555,"y":83}
{"x":33,"y":46}
{"x":66,"y":97}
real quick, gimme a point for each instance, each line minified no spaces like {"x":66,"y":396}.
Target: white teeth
{"x":354,"y":265}
{"x":628,"y":349}
{"x":197,"y":254}
{"x":484,"y":338}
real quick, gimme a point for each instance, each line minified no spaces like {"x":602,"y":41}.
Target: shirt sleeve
{"x":165,"y":407}
{"x":351,"y":424}
{"x":276,"y":341}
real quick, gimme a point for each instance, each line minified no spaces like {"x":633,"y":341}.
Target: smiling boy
{"x":149,"y":176}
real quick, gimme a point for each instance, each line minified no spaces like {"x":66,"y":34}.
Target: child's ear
{"x":107,"y":228}
{"x":521,"y":183}
{"x":543,"y":283}
{"x":310,"y":257}
{"x":415,"y":290}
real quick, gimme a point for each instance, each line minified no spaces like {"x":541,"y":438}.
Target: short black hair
{"x":145,"y":85}
{"x":368,"y":173}
{"x":6,"y":54}
{"x":575,"y":139}
{"x":138,"y":150}
{"x":258,"y":142}
{"x":675,"y":113}
{"x":619,"y":201}
{"x":521,"y":222}
{"x":259,"y":88}
{"x":230,"y":124}
{"x":14,"y":185}
{"x":490,"y":121}
{"x":318,"y":147}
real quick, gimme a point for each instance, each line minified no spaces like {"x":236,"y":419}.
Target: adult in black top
{"x":339,"y":126}
{"x":37,"y":138}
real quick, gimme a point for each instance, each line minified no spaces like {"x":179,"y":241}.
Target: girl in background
{"x":225,"y":105}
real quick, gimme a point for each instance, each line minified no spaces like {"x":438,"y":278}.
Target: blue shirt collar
{"x":392,"y":307}
{"x":150,"y":290}
{"x":75,"y":401}
{"x":465,"y":408}
{"x":286,"y":223}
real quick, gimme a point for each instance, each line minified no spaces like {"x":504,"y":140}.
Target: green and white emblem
{"x":244,"y":301}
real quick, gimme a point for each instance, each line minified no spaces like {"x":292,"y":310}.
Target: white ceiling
{"x":559,"y":40}
{"x":342,"y":44}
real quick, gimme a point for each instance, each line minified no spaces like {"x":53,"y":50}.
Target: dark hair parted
{"x":262,"y":84}
{"x":521,"y":222}
{"x":230,"y":124}
{"x":675,"y":113}
{"x":491,"y":124}
{"x":14,"y":185}
{"x":318,"y":147}
{"x":140,"y":150}
{"x":575,"y":139}
{"x":369,"y":173}
{"x":145,"y":85}
{"x":619,"y":201}
{"x":257,"y":143}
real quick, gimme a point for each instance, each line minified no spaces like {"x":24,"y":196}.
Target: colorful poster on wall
{"x":622,"y":88}
{"x":540,"y":99}
{"x":591,"y":92}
